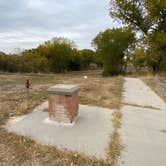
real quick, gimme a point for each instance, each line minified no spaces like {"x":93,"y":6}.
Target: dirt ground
{"x":14,"y":101}
{"x":158,"y":84}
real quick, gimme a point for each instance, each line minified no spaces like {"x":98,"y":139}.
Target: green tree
{"x":139,"y":58}
{"x":32,"y":61}
{"x":9,"y":63}
{"x":142,"y":15}
{"x":58,"y":51}
{"x":146,"y":17}
{"x":88,"y":57}
{"x":75,"y":60}
{"x":156,"y":54}
{"x":112,"y":45}
{"x":2,"y":61}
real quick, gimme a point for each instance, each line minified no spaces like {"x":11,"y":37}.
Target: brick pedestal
{"x":63,"y":103}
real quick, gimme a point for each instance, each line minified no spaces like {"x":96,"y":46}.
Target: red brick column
{"x":63,"y":104}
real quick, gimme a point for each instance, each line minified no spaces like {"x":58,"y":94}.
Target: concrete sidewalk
{"x":142,"y":128}
{"x":89,"y":135}
{"x":138,"y":93}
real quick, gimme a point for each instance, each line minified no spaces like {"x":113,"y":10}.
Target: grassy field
{"x":17,"y":150}
{"x":157,"y":84}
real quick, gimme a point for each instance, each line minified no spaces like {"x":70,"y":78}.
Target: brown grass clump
{"x":115,"y":145}
{"x":157,"y":84}
{"x":163,"y":131}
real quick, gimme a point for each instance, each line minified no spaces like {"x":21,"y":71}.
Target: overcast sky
{"x":28,"y":23}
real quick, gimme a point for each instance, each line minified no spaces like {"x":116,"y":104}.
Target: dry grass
{"x":163,"y":131}
{"x":157,"y":84}
{"x":115,"y":145}
{"x":141,"y":106}
{"x":18,"y":150}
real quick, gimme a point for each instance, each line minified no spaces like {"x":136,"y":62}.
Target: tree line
{"x":57,"y":55}
{"x":140,"y":42}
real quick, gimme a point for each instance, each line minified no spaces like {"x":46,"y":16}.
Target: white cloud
{"x":27,"y":23}
{"x":35,"y":4}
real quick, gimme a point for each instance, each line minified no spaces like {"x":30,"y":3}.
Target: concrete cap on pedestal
{"x":63,"y":89}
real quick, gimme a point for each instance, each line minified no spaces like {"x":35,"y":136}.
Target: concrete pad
{"x":144,"y":143}
{"x":137,"y":92}
{"x":63,"y":89}
{"x":89,"y":135}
